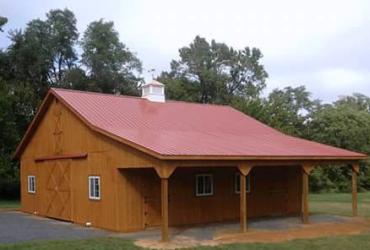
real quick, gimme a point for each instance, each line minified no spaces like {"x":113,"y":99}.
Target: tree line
{"x":51,"y":53}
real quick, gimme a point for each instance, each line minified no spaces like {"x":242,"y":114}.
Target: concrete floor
{"x":207,"y":232}
{"x":20,"y":227}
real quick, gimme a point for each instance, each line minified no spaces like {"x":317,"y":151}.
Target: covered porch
{"x":173,"y":202}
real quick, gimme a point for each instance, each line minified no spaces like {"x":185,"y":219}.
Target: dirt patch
{"x":351,"y":227}
{"x":178,"y":242}
{"x":314,"y":230}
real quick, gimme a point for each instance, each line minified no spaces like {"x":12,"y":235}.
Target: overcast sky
{"x":323,"y":45}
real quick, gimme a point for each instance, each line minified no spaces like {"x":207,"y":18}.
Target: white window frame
{"x":31,"y":184}
{"x":248,"y":183}
{"x":196,"y":185}
{"x":92,"y":195}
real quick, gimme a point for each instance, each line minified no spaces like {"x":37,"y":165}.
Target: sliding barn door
{"x":58,"y":189}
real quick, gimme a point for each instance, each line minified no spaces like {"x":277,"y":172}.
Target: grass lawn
{"x":9,"y":204}
{"x":339,"y":204}
{"x":319,"y":203}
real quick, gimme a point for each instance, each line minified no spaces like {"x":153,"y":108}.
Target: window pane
{"x":91,"y":187}
{"x":200,"y":185}
{"x":97,"y":191}
{"x":94,"y":187}
{"x":157,"y":90}
{"x":31,"y":185}
{"x":207,"y":184}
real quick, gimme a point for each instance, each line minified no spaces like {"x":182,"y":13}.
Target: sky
{"x":323,"y":45}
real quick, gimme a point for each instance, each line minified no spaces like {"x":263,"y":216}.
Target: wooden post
{"x":306,"y":169}
{"x":244,"y":169}
{"x":355,"y":172}
{"x":164,"y":199}
{"x":164,"y":171}
{"x":243,"y":204}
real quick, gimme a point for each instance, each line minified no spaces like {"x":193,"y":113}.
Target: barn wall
{"x":62,"y":132}
{"x":279,"y":187}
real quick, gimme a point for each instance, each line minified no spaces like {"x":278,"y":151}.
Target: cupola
{"x":153,"y":91}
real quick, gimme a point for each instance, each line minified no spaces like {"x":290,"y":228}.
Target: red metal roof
{"x":188,"y":129}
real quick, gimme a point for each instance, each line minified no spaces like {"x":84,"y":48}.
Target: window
{"x":31,"y":184}
{"x":237,"y":183}
{"x":94,"y":187}
{"x":204,"y":185}
{"x":157,"y":90}
{"x":146,"y":90}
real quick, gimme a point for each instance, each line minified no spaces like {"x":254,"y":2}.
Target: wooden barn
{"x":129,"y":163}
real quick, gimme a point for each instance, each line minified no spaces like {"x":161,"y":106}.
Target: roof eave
{"x":264,"y":158}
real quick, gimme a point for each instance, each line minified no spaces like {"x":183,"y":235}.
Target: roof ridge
{"x":199,"y":103}
{"x":136,"y":97}
{"x":96,"y":93}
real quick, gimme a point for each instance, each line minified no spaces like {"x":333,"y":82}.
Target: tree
{"x":255,"y":107}
{"x":357,"y":101}
{"x":63,"y":37}
{"x":112,"y":67}
{"x":288,"y":109}
{"x":9,"y":136}
{"x":345,"y":124}
{"x":36,"y":59}
{"x":3,"y":21}
{"x":214,"y":73}
{"x":44,"y":51}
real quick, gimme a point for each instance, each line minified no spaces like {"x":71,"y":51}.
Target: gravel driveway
{"x":19,"y":227}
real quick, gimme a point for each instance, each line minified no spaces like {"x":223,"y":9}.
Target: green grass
{"x":9,"y":204}
{"x":91,"y":244}
{"x":339,"y":204}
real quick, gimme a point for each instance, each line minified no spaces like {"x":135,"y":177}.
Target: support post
{"x":164,"y":171}
{"x":355,"y":172}
{"x":243,"y":204}
{"x":244,"y":171}
{"x":306,"y":169}
{"x":164,"y":201}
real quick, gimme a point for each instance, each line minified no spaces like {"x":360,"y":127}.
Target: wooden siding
{"x":278,"y":186}
{"x":61,"y":132}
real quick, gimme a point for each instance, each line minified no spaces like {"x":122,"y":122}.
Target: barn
{"x":128,"y":163}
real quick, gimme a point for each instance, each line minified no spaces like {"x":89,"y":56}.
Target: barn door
{"x":58,"y":189}
{"x":152,"y":199}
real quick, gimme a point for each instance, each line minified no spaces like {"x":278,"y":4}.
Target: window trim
{"x":196,"y":185}
{"x":248,"y":183}
{"x":29,"y":178}
{"x":94,"y":177}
